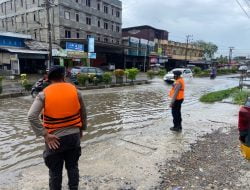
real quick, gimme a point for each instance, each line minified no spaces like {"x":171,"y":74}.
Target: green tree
{"x":222,"y":60}
{"x":209,"y":48}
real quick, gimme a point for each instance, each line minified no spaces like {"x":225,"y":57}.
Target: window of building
{"x":77,"y":17}
{"x":89,"y":36}
{"x":112,"y":27}
{"x":21,"y":3}
{"x":2,"y":7}
{"x":98,"y":6}
{"x":106,"y":40}
{"x":117,"y":29}
{"x":12,"y":21}
{"x":88,"y":3}
{"x":67,"y":15}
{"x":3,"y":23}
{"x":106,"y":9}
{"x":77,"y":35}
{"x":99,"y":23}
{"x":117,"y":14}
{"x":34,"y":16}
{"x":99,"y":39}
{"x":35,"y":34}
{"x":11,"y":6}
{"x":88,"y":20}
{"x":22,"y":18}
{"x":106,"y":26}
{"x":118,"y":41}
{"x":67,"y":34}
{"x":112,"y":11}
{"x":77,"y":1}
{"x":33,"y":1}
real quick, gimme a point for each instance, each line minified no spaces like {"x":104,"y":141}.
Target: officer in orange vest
{"x":177,"y":97}
{"x":63,"y":120}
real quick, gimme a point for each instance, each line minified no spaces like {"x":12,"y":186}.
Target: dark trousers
{"x":176,"y":113}
{"x":68,"y":153}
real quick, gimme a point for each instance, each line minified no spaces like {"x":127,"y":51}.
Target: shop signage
{"x":92,"y":55}
{"x":134,"y":40}
{"x":76,"y":54}
{"x":153,"y":60}
{"x":74,"y":46}
{"x":59,"y":53}
{"x":143,"y":41}
{"x":151,"y":43}
{"x":91,"y":45}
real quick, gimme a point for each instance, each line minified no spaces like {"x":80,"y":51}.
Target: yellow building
{"x":179,"y":51}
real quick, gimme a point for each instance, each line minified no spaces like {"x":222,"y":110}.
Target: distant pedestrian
{"x":177,"y":97}
{"x":64,"y":119}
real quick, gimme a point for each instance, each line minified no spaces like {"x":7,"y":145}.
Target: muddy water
{"x":109,"y":111}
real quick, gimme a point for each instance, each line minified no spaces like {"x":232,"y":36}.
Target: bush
{"x":27,"y":86}
{"x":119,"y":72}
{"x":197,"y":70}
{"x":240,"y":97}
{"x":150,"y":74}
{"x":132,"y":73}
{"x":107,"y":78}
{"x":162,"y":72}
{"x":82,"y":78}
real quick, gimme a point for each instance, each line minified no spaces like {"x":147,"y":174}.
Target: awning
{"x":25,"y":51}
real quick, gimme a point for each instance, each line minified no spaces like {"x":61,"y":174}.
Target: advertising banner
{"x":91,"y":45}
{"x":74,"y":46}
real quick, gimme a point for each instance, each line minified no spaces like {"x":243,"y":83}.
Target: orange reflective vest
{"x":180,"y":95}
{"x":62,"y":107}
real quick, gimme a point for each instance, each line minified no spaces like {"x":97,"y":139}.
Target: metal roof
{"x":15,"y":35}
{"x":27,"y":51}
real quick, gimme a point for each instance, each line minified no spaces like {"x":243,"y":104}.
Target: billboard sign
{"x":92,"y":55}
{"x":91,"y":45}
{"x":74,"y":46}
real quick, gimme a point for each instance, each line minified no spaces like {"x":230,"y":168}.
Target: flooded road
{"x":109,"y":111}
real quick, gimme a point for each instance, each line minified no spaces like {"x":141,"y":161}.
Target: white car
{"x":186,"y":73}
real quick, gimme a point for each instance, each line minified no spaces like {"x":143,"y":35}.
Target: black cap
{"x":177,"y":73}
{"x":56,"y":72}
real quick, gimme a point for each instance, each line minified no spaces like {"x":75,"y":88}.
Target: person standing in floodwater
{"x":177,"y":97}
{"x":64,"y":119}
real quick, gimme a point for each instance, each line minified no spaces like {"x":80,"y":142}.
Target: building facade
{"x":70,"y":19}
{"x":16,"y":57}
{"x":166,"y":53}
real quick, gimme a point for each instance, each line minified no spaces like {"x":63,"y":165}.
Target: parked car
{"x":244,"y":129}
{"x":87,"y":70}
{"x":186,"y":73}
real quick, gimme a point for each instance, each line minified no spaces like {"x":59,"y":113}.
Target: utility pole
{"x":50,"y":59}
{"x":230,"y":55}
{"x":186,"y":50}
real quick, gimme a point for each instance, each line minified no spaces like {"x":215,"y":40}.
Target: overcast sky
{"x":222,"y":22}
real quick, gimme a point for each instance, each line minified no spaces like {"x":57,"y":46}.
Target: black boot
{"x":176,"y":129}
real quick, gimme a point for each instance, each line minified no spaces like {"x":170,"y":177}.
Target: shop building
{"x":17,"y":58}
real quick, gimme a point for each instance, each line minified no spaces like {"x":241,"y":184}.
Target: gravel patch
{"x":214,"y":162}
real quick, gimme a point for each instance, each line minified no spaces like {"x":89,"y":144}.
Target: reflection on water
{"x":109,"y":111}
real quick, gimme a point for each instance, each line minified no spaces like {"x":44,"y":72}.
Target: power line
{"x":243,"y":8}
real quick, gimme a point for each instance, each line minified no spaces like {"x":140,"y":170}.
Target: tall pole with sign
{"x":91,"y":48}
{"x":50,"y":60}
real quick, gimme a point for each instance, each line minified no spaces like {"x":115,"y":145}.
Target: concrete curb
{"x":114,"y":85}
{"x":14,"y":95}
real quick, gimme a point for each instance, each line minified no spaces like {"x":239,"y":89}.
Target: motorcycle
{"x":38,"y":87}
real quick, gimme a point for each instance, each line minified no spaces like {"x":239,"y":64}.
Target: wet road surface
{"x":110,"y":111}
